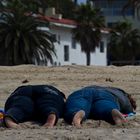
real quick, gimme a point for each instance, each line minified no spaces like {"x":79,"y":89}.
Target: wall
{"x":76,"y":57}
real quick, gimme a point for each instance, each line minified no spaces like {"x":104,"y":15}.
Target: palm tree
{"x":124,"y":42}
{"x":89,"y":21}
{"x":21,"y":39}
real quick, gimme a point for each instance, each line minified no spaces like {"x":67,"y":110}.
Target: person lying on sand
{"x":99,"y":103}
{"x":40,"y":103}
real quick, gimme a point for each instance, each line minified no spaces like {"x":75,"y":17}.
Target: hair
{"x":132,"y":101}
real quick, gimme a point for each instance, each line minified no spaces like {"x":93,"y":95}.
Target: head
{"x":132,"y":101}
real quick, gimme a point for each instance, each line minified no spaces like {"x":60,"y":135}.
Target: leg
{"x":118,"y":117}
{"x":78,"y":117}
{"x":18,"y":109}
{"x":51,"y":108}
{"x":107,"y":110}
{"x":50,"y":120}
{"x":10,"y":123}
{"x":78,"y":107}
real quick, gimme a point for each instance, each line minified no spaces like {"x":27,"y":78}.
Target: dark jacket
{"x":35,"y":90}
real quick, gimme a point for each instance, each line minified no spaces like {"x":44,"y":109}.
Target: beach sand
{"x":68,"y":79}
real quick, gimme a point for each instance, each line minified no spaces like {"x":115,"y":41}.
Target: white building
{"x":68,"y":51}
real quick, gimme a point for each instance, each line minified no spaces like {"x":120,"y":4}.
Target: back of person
{"x":34,"y":102}
{"x":122,"y":97}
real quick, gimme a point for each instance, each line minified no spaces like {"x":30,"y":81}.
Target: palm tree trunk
{"x":133,"y":60}
{"x":88,"y":58}
{"x":133,"y":55}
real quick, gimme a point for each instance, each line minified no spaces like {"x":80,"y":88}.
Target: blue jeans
{"x":35,"y":103}
{"x":97,"y":104}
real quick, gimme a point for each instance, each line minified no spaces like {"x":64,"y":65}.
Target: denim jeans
{"x":78,"y":100}
{"x":96,"y":103}
{"x":34,"y":103}
{"x":102,"y":105}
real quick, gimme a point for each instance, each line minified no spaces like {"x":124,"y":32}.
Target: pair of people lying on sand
{"x":46,"y":104}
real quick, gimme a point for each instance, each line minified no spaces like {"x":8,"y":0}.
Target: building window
{"x":102,"y":47}
{"x":66,"y":53}
{"x":73,"y":43}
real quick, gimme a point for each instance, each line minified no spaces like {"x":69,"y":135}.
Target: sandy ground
{"x":68,"y":79}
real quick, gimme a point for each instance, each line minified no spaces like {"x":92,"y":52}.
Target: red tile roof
{"x":65,"y":21}
{"x":62,"y":21}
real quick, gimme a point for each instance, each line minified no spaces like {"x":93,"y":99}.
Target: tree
{"x":30,"y":6}
{"x":124,"y":42}
{"x":64,"y":7}
{"x":89,"y":21}
{"x":21,"y":39}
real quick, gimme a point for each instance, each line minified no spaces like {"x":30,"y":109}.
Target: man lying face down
{"x":39,"y":103}
{"x":99,"y":103}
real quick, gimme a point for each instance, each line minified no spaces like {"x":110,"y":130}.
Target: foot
{"x":78,"y":117}
{"x":118,"y":117}
{"x":50,"y":121}
{"x":10,"y":123}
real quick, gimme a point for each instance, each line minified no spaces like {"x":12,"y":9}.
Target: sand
{"x":68,"y":79}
